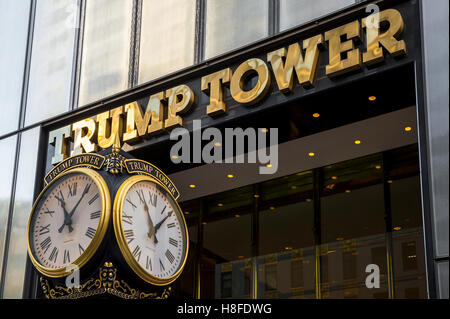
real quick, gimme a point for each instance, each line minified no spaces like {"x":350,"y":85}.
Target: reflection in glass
{"x":353,"y":228}
{"x":226,"y":249}
{"x":186,"y":282}
{"x":17,"y":251}
{"x":286,"y":243}
{"x":296,"y":12}
{"x":13,"y":32}
{"x":408,"y":248}
{"x":234,"y":23}
{"x":106,"y":49}
{"x":51,"y":60}
{"x":8,"y":150}
{"x":167,"y":37}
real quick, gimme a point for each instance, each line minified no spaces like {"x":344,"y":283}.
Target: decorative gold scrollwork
{"x":106,"y":283}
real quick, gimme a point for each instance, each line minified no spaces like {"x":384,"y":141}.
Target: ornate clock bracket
{"x":107,"y":283}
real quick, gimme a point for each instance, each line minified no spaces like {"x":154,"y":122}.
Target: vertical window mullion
{"x":78,"y":56}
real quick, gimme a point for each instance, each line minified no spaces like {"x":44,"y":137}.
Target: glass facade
{"x":281,"y":238}
{"x":302,"y":247}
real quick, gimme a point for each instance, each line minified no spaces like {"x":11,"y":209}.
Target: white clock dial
{"x":153,"y":230}
{"x":65,"y":221}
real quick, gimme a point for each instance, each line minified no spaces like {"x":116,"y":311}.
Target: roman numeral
{"x":137,"y":253}
{"x":173,"y":242}
{"x":131,"y":203}
{"x":161,"y":265}
{"x":129,"y":235}
{"x":54,"y":254}
{"x":164,"y":209}
{"x":60,"y":198}
{"x":148,"y":264}
{"x":153,"y":199}
{"x":44,"y":229}
{"x":80,"y":249}
{"x":93,"y":199}
{"x":86,"y":189}
{"x":95,"y":215}
{"x":141,"y":195}
{"x":170,"y":225}
{"x":45,"y":244}
{"x":127,"y":218}
{"x":51,"y":212}
{"x":90,"y":232}
{"x":169,"y":256}
{"x":66,"y":256}
{"x":73,"y":189}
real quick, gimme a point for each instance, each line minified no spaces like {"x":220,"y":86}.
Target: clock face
{"x":152,"y":231}
{"x":65,"y":221}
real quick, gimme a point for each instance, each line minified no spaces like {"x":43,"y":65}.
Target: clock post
{"x":107,"y":225}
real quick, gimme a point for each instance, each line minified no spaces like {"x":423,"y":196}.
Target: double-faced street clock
{"x":115,"y":220}
{"x":68,"y":221}
{"x":150,"y":230}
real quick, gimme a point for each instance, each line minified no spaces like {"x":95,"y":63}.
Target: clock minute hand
{"x":86,"y":190}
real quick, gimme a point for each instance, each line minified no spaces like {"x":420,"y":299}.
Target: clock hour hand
{"x":157,"y":226}
{"x":67,"y":218}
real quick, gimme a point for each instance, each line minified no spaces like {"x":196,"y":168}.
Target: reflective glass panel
{"x":17,"y":251}
{"x":8,"y":151}
{"x":234,"y":23}
{"x":226,"y":254}
{"x":286,"y":239}
{"x":353,"y":228}
{"x":161,"y":55}
{"x":14,"y":17}
{"x":106,"y":49}
{"x":52,"y":59}
{"x":296,"y":12}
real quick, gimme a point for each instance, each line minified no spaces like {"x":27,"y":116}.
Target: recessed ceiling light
{"x":309,"y":200}
{"x":311,"y":154}
{"x":293,"y":187}
{"x":378,"y":167}
{"x":268,"y":165}
{"x":256,"y":196}
{"x":288,"y":248}
{"x":272,"y":208}
{"x":397,"y":228}
{"x":203,"y":223}
{"x":316,"y":115}
{"x":192,"y":186}
{"x":347,"y":191}
{"x":390,"y":181}
{"x":334,"y":177}
{"x":357,"y":142}
{"x":264,"y":130}
{"x":340,"y":238}
{"x":408,"y":129}
{"x":230,"y":176}
{"x":186,"y":213}
{"x":372,"y":98}
{"x":237,"y":215}
{"x":220,"y":204}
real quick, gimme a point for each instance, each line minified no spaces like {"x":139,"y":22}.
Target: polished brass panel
{"x":337,"y":65}
{"x":84,"y":137}
{"x":180,"y":100}
{"x":240,"y":76}
{"x":110,"y":124}
{"x":212,"y":84}
{"x":99,"y":234}
{"x":58,"y":139}
{"x":305,"y":67}
{"x":388,"y":39}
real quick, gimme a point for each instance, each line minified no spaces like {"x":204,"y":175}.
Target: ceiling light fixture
{"x":372,"y":98}
{"x":316,"y":115}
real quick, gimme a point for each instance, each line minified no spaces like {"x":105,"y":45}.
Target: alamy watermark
{"x":262,"y":146}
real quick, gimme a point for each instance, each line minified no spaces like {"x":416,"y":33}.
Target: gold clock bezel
{"x":120,"y":235}
{"x":99,"y":234}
